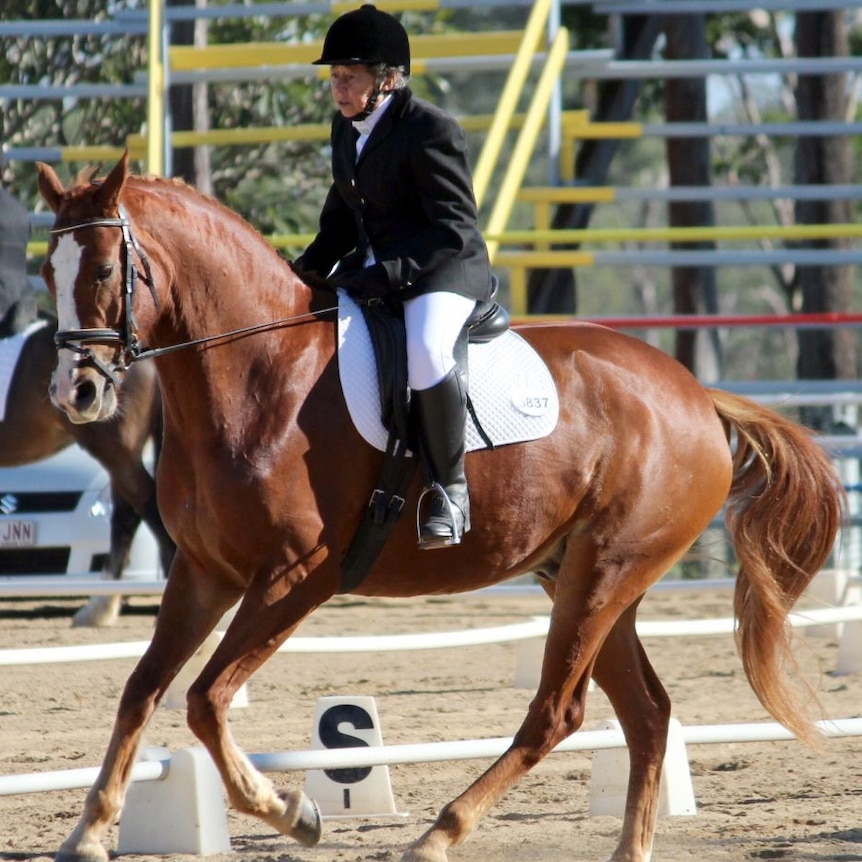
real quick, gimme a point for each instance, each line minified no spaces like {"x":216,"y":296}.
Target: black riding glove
{"x":309,"y":276}
{"x":369,"y":283}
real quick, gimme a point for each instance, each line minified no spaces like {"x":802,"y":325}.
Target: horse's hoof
{"x":306,"y":823}
{"x":99,"y":611}
{"x":420,"y":852}
{"x":309,"y":824}
{"x":94,"y":853}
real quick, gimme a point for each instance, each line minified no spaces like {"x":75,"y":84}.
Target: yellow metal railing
{"x":681,"y":234}
{"x":186,"y":58}
{"x":137,"y":145}
{"x":523,"y":259}
{"x":155,"y":92}
{"x":577,"y":126}
{"x":523,"y":151}
{"x":512,"y":90}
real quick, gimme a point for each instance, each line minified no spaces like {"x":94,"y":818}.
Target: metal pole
{"x":555,"y":109}
{"x":155,"y":90}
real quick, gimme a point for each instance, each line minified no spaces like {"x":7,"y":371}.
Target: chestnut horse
{"x":263,"y":481}
{"x":33,"y":428}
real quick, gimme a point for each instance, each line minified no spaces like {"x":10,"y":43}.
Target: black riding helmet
{"x":366,"y":35}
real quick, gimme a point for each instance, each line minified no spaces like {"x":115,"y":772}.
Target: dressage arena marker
{"x":189,"y":803}
{"x":207,"y":805}
{"x":828,"y":588}
{"x":349,"y":722}
{"x":175,"y":696}
{"x":850,"y":643}
{"x":182,"y":813}
{"x":610,"y":777}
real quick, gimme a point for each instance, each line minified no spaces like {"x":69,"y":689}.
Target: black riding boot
{"x":442,"y":411}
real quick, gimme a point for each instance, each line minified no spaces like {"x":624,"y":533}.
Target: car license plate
{"x":17,"y":534}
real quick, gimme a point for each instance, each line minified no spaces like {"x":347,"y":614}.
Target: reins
{"x":131,"y":348}
{"x":152,"y":353}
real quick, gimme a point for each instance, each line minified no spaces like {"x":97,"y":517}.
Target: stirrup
{"x":451,"y":510}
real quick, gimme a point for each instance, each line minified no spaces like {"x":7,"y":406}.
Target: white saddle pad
{"x":10,"y":350}
{"x":512,"y":391}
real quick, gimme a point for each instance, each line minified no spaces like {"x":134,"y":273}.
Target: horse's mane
{"x":179,"y":188}
{"x":176,"y":187}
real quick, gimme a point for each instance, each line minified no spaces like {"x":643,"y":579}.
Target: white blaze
{"x":66,"y":262}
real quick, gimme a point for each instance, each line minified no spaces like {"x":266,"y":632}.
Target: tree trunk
{"x":823,"y":353}
{"x":189,"y":110}
{"x":688,"y":159}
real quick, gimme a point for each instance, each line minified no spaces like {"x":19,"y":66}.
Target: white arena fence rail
{"x":429,"y":752}
{"x":534,"y":629}
{"x":156,"y":766}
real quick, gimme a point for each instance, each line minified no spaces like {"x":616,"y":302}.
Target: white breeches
{"x":433,"y":322}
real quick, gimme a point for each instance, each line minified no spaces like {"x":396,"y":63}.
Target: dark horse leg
{"x":118,"y":444}
{"x":32,"y":429}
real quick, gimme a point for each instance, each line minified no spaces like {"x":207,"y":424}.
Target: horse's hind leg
{"x":643,"y":708}
{"x":189,"y":611}
{"x":581,"y":619}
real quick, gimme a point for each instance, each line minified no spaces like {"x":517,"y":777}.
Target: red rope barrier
{"x":822,"y":320}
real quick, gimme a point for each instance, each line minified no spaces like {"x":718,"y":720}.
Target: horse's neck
{"x":223,"y":278}
{"x":222,"y":273}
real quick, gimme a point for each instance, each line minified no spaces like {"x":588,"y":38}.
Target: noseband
{"x":73,"y":339}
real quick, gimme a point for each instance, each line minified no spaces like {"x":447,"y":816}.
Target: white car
{"x":55,"y":520}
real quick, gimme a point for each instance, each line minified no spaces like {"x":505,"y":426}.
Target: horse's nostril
{"x":85,"y":394}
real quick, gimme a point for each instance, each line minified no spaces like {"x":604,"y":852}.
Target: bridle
{"x":131,"y":349}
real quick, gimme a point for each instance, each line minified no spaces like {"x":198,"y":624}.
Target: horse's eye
{"x":103,"y":273}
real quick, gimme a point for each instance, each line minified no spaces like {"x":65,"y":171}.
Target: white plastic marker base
{"x":528,"y":662}
{"x":850,"y":645}
{"x":349,"y":722}
{"x":610,"y":776}
{"x":827,"y":589}
{"x":182,"y":813}
{"x":175,"y":696}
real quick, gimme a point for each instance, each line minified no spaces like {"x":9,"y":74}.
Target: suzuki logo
{"x":8,"y":504}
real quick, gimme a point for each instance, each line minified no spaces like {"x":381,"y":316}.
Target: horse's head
{"x":90,"y":272}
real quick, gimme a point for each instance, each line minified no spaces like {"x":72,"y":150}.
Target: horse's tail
{"x":784,"y":511}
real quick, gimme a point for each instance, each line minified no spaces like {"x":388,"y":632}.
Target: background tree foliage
{"x":279,"y":186}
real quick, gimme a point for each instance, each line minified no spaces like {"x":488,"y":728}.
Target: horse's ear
{"x":50,"y":186}
{"x":110,"y":190}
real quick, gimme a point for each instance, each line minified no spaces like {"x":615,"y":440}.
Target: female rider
{"x":400,"y":223}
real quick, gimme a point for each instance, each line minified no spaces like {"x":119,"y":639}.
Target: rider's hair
{"x":382,"y":71}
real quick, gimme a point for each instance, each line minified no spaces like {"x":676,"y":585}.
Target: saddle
{"x":389,"y":343}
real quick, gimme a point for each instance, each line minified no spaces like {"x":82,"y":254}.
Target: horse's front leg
{"x":259,"y":626}
{"x":188,"y":613}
